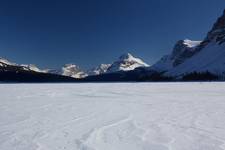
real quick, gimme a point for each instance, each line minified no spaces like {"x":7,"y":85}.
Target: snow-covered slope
{"x":99,"y":69}
{"x":195,"y":56}
{"x":112,"y":116}
{"x":5,"y":62}
{"x":30,"y":67}
{"x":126,"y":62}
{"x":211,"y":58}
{"x":182,"y":51}
{"x":73,"y":71}
{"x":70,"y":70}
{"x":210,"y":54}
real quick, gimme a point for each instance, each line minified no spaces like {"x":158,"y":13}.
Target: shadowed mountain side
{"x":139,"y":74}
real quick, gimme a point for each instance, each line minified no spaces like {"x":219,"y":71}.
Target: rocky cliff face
{"x":216,"y":34}
{"x":182,"y":51}
{"x":205,"y":56}
{"x":209,"y":55}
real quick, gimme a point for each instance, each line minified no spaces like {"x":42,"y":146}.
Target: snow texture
{"x":118,"y":116}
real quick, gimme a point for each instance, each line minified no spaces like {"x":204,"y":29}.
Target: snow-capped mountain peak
{"x":205,"y":56}
{"x":210,"y":56}
{"x":73,"y":70}
{"x":126,"y":62}
{"x":70,"y":70}
{"x":4,"y":62}
{"x":183,"y":50}
{"x":126,"y":56}
{"x":130,"y":58}
{"x":71,"y":66}
{"x":102,"y":68}
{"x":183,"y":47}
{"x":32,"y":67}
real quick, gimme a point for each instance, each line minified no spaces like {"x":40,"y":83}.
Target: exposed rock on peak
{"x":217,"y":33}
{"x":220,"y":23}
{"x":209,"y":56}
{"x":182,"y":50}
{"x":73,"y":71}
{"x":126,"y":62}
{"x":4,"y":62}
{"x":99,"y":69}
{"x":126,"y":56}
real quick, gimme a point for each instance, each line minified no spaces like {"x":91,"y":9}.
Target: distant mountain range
{"x":125,"y":62}
{"x":189,"y":61}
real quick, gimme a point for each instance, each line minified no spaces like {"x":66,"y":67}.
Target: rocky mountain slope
{"x":182,"y":50}
{"x":195,"y":56}
{"x":70,"y":70}
{"x":30,"y":67}
{"x":187,"y":57}
{"x":125,"y":62}
{"x":99,"y":69}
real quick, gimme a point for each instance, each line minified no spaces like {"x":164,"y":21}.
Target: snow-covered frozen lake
{"x":112,"y":116}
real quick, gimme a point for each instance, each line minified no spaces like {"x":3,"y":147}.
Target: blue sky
{"x":50,"y":33}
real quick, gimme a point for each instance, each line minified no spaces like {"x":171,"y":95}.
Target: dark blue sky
{"x":89,"y":32}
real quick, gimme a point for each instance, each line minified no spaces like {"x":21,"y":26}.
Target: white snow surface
{"x":112,"y":116}
{"x":191,"y":43}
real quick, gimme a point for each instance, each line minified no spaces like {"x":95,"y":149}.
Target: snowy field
{"x":112,"y":116}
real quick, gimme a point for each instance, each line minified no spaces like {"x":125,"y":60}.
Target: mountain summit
{"x":126,"y":62}
{"x":200,"y":57}
{"x":72,"y":70}
{"x":182,"y":50}
{"x":29,"y":67}
{"x":5,"y":62}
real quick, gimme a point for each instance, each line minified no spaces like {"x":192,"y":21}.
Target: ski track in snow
{"x":113,"y":116}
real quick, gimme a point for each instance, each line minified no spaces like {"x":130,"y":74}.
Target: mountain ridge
{"x":188,"y":59}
